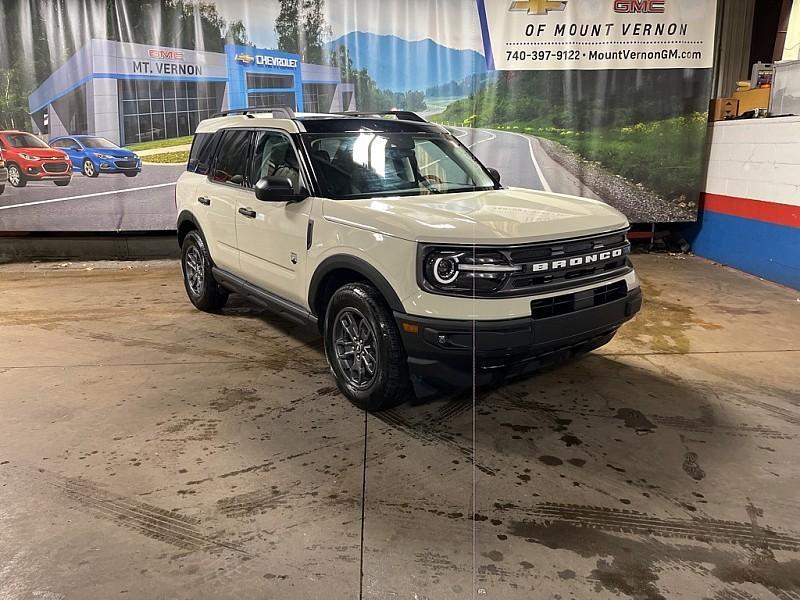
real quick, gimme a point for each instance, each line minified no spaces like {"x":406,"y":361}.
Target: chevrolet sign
{"x":578,"y":261}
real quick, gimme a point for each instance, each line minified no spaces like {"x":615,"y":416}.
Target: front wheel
{"x":61,"y":182}
{"x":134,"y":174}
{"x":201,"y":287}
{"x":364,"y":349}
{"x":89,"y":169}
{"x":2,"y":189}
{"x":15,"y":177}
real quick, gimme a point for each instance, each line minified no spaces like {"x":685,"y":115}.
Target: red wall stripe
{"x":757,"y":210}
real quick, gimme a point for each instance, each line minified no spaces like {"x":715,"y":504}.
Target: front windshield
{"x":365,"y":164}
{"x":24,"y":140}
{"x":97,"y":142}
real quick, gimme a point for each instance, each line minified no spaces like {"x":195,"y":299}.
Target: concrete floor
{"x":148,"y":450}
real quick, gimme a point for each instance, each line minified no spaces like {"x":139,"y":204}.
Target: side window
{"x":274,"y":156}
{"x":231,"y":162}
{"x":202,"y":153}
{"x":2,"y":144}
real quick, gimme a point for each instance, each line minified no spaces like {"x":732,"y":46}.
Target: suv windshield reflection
{"x":366,"y":164}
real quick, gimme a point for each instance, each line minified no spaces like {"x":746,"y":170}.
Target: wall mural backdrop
{"x":599,"y":98}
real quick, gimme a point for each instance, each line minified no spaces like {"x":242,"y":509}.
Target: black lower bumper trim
{"x":456,"y":354}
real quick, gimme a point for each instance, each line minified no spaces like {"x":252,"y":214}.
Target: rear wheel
{"x":89,"y":169}
{"x":364,"y":349}
{"x":15,"y":177}
{"x":201,"y":287}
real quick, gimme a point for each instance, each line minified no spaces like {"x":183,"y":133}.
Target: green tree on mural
{"x":301,"y":29}
{"x":13,"y":99}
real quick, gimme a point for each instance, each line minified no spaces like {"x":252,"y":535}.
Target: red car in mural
{"x":29,"y":159}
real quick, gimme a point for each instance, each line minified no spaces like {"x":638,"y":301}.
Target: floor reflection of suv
{"x":422,"y":272}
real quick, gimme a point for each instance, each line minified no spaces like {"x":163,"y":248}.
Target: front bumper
{"x":47,"y":170}
{"x":119,"y":165}
{"x":448,"y":354}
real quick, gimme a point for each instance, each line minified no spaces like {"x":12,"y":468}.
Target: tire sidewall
{"x":355,"y":296}
{"x":194,"y":239}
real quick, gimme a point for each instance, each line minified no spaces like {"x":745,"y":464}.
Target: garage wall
{"x":750,"y":215}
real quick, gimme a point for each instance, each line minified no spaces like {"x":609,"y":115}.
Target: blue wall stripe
{"x":764,"y":249}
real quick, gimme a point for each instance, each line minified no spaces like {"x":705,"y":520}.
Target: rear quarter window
{"x":202,"y":153}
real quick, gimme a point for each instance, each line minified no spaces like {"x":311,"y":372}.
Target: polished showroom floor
{"x":148,"y":450}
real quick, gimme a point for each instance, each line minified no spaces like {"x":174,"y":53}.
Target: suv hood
{"x":507,"y":216}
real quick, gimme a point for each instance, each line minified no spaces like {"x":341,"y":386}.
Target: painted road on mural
{"x":147,"y":202}
{"x":108,"y":203}
{"x":521,"y":160}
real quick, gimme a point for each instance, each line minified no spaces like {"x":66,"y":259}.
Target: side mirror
{"x":278,"y":189}
{"x":495,"y":174}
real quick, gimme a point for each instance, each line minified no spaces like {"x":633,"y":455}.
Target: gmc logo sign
{"x":165,"y":54}
{"x":639,"y":6}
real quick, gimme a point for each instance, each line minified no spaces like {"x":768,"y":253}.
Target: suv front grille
{"x":568,"y":303}
{"x":569,"y":263}
{"x":55,"y":167}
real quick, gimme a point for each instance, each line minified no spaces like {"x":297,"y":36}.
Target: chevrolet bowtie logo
{"x":538,"y":7}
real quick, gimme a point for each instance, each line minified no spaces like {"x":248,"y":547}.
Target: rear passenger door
{"x":272,"y":235}
{"x":221,"y":193}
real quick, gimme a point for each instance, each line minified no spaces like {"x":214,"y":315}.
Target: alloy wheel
{"x":88,"y":168}
{"x":14,"y":175}
{"x":195,"y":272}
{"x":356,"y":349}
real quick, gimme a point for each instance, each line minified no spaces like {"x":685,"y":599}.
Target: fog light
{"x":410,"y":328}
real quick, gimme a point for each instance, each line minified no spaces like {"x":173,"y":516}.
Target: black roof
{"x":346,"y":124}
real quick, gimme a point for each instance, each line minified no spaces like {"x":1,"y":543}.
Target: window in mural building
{"x":155,"y":110}
{"x":318,"y":97}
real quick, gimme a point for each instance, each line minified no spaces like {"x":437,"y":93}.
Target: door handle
{"x":205,"y":200}
{"x":248,"y":212}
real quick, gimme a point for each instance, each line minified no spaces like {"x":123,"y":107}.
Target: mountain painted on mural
{"x":401,"y":65}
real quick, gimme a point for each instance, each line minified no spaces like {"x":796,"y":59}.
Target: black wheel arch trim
{"x":360,"y":266}
{"x":187,"y":216}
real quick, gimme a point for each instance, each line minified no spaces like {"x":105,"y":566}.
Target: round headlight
{"x":445,"y":269}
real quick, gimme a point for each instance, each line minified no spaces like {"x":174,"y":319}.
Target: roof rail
{"x":277,"y":111}
{"x":404,"y":115}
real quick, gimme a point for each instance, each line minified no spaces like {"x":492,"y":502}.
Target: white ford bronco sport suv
{"x":421,"y":271}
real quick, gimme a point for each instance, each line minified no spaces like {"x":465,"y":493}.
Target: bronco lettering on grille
{"x":576,"y":261}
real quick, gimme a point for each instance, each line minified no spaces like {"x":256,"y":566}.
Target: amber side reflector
{"x":410,"y":328}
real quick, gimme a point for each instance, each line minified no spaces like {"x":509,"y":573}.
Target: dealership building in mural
{"x":132,"y":93}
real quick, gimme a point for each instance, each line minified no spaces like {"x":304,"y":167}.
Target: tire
{"x":15,"y":177}
{"x":131,"y":174}
{"x":2,"y":189}
{"x":62,"y":183}
{"x":201,"y":287}
{"x":388,"y":385}
{"x":89,"y":169}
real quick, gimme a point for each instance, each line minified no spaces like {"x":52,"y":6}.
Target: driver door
{"x":271,"y":236}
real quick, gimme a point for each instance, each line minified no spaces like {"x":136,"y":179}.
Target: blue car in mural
{"x":92,"y":155}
